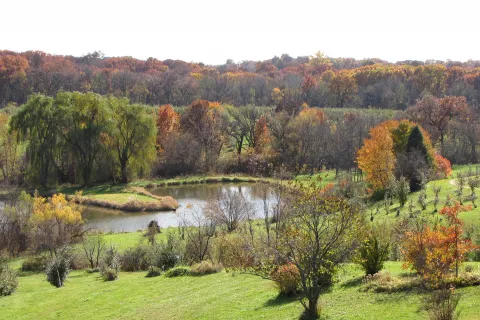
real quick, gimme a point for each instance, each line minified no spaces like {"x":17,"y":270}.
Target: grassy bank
{"x":217,"y":296}
{"x":120,"y":197}
{"x":194,"y":180}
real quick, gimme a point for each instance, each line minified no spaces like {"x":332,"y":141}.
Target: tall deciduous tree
{"x":84,"y":118}
{"x":204,"y":121}
{"x":435,"y":115}
{"x":343,"y":88}
{"x":132,"y":136}
{"x":37,"y":123}
{"x":168,"y":121}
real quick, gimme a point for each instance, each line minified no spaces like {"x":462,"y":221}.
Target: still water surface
{"x":195,"y":195}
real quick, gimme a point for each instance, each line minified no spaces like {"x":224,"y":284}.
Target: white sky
{"x":213,"y":31}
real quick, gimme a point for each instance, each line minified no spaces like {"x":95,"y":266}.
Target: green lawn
{"x":218,"y":296}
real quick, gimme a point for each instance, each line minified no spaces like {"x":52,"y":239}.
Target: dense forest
{"x":318,"y":80}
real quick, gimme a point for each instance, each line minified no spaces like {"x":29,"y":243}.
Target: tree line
{"x":86,"y":138}
{"x":317,"y":80}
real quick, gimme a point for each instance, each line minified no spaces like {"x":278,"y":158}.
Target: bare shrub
{"x":230,"y":208}
{"x":442,"y":304}
{"x":199,"y":233}
{"x":93,"y":246}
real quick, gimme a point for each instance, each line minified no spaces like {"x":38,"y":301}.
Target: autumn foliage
{"x":444,"y":168}
{"x":58,"y":221}
{"x":378,"y":155}
{"x":168,"y":121}
{"x":434,"y":252}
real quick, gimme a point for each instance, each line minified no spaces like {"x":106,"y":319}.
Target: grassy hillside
{"x":217,"y":296}
{"x":448,"y":188}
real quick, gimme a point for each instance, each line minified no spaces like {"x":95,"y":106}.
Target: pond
{"x":191,"y":198}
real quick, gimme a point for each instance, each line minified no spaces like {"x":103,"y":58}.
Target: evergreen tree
{"x":418,"y":159}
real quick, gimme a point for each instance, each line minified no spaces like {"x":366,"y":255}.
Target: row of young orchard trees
{"x":317,"y":80}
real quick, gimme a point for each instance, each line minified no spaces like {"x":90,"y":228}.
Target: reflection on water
{"x":195,"y":195}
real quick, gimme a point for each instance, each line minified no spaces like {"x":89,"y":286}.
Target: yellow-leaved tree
{"x":58,"y":222}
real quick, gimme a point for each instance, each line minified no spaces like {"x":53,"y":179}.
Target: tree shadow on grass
{"x":355,"y":282}
{"x":280,"y":300}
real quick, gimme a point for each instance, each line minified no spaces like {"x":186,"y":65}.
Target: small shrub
{"x":204,"y":268}
{"x":178,"y":272}
{"x":287,"y":279}
{"x":34,"y":264}
{"x":135,"y":259}
{"x":153,"y":272}
{"x":8,"y":280}
{"x":57,"y":270}
{"x":442,"y":304}
{"x":109,"y":274}
{"x":233,"y":251}
{"x":112,"y":258}
{"x":469,"y":268}
{"x":372,"y":255}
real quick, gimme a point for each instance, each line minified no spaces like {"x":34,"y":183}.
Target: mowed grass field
{"x":217,"y":296}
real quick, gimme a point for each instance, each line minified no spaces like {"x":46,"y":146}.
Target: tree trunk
{"x":442,"y":145}
{"x":312,"y":310}
{"x":123,"y":169}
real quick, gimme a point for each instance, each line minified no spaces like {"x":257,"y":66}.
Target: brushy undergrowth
{"x":178,"y":272}
{"x":153,"y":272}
{"x":204,"y":268}
{"x":8,"y":279}
{"x":384,"y":282}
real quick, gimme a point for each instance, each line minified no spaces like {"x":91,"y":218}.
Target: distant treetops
{"x":400,"y":149}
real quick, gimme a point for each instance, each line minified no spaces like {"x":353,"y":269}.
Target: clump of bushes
{"x":153,"y":272}
{"x":205,"y":267}
{"x":8,"y":279}
{"x":166,"y":255}
{"x":178,"y":272}
{"x":109,"y":274}
{"x":287,"y":279}
{"x":135,"y":259}
{"x":58,"y":269}
{"x":467,"y":279}
{"x":34,"y":264}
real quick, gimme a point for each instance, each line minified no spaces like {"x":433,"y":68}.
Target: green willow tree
{"x":36,"y":123}
{"x":132,"y":136}
{"x":84,"y":118}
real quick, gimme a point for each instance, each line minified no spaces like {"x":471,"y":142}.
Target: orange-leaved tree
{"x":376,"y":157}
{"x":168,"y":121}
{"x":434,"y":251}
{"x":444,"y":168}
